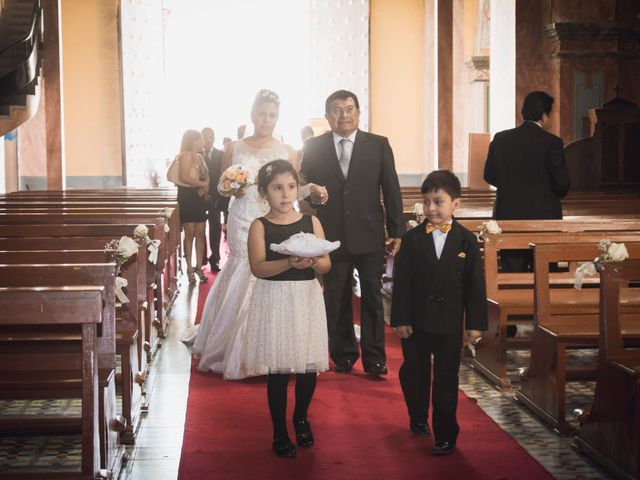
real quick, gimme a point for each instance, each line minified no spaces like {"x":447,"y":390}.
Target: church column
{"x":445,"y":84}
{"x":54,"y":114}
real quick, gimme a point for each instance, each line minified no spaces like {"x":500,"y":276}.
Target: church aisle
{"x":157,"y":453}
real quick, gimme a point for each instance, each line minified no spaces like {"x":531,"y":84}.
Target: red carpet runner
{"x":361,"y":430}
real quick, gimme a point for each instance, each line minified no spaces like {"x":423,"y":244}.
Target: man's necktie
{"x":207,"y":152}
{"x":444,"y":228}
{"x":345,"y":155}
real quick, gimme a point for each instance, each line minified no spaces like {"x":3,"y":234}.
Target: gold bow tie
{"x":444,"y":228}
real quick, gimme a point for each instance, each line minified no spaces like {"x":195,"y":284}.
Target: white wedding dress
{"x":220,"y":336}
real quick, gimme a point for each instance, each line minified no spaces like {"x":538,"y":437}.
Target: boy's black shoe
{"x":419,"y":428}
{"x":376,"y":369}
{"x":304,"y":436}
{"x":283,"y":447}
{"x":443,"y":448}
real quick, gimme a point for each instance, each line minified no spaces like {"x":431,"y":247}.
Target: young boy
{"x":438,"y":277}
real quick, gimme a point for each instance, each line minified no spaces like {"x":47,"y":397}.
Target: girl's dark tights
{"x":277,"y":396}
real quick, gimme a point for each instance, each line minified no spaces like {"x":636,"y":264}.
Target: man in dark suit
{"x":217,"y":203}
{"x":526,"y":164}
{"x":355,"y":166}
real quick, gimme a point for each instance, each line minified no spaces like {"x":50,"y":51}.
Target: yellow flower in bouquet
{"x":234,"y":179}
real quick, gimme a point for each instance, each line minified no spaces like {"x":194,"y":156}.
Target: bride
{"x":219,"y":339}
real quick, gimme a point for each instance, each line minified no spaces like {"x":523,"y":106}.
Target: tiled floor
{"x":157,"y":452}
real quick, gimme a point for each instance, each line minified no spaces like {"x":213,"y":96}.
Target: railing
{"x":21,"y":50}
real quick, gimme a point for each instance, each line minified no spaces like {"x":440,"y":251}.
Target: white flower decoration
{"x":127,"y":247}
{"x":611,"y":252}
{"x":141,"y":231}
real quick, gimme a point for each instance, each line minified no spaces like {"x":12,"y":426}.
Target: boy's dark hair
{"x":442,"y":180}
{"x":340,"y":95}
{"x":273,"y":168}
{"x":535,"y":104}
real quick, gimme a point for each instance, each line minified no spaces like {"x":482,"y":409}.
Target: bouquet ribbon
{"x":120,"y":283}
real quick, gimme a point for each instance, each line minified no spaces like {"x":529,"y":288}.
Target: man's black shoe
{"x":419,"y":428}
{"x":376,"y":369}
{"x":443,"y":448}
{"x":344,"y":367}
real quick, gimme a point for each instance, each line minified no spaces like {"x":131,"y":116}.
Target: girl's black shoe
{"x":283,"y":447}
{"x":304,"y":437}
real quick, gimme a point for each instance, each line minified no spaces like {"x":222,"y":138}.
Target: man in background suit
{"x":217,"y":203}
{"x":526,"y":164}
{"x":354,"y":166}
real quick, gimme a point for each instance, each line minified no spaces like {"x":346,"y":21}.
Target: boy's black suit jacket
{"x":354,"y":213}
{"x":527,"y":166}
{"x":433,"y":295}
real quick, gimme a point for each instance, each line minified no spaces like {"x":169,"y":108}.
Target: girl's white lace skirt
{"x":286,"y":328}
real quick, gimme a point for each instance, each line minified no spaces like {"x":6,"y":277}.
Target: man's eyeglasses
{"x":338,"y":112}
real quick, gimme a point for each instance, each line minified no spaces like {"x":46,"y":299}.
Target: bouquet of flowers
{"x":234,"y":179}
{"x":611,"y":252}
{"x":488,"y":231}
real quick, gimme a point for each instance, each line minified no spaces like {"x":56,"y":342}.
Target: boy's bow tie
{"x":444,"y":228}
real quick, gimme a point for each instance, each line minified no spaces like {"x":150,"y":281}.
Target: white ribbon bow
{"x":588,"y":268}
{"x":153,"y":250}
{"x":120,"y":283}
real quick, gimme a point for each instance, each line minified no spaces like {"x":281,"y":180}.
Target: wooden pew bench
{"x":510,"y":299}
{"x":26,"y":224}
{"x":124,"y":331}
{"x":573,"y":325}
{"x":50,"y":371}
{"x":610,"y":432}
{"x":155,"y":319}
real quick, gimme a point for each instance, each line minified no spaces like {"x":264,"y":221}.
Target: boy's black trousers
{"x":416,"y":382}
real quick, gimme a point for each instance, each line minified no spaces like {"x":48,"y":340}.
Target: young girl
{"x":287,"y":327}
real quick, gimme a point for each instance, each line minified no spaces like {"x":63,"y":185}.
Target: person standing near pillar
{"x":355,"y":166}
{"x":217,"y":204}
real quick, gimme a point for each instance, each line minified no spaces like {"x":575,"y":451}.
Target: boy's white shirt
{"x":439,"y":238}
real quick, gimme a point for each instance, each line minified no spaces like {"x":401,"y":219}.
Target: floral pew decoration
{"x":418,"y":211}
{"x":120,"y":251}
{"x":166,"y":213}
{"x":611,"y":252}
{"x":141,"y":234}
{"x":488,"y":231}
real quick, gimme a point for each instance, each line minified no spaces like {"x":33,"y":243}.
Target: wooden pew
{"x":155,"y":325}
{"x":510,"y":295}
{"x":48,"y":307}
{"x":570,"y":320}
{"x":123,"y":331}
{"x":610,"y":432}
